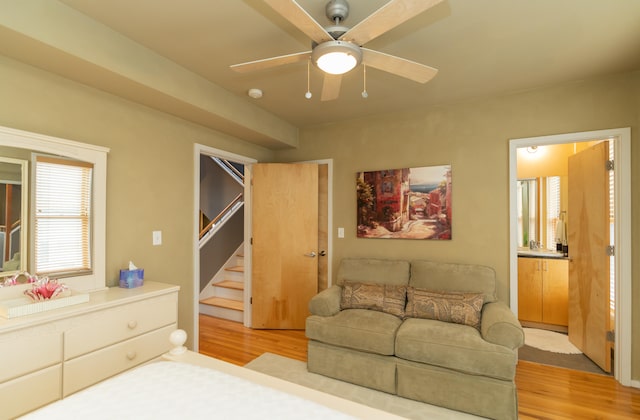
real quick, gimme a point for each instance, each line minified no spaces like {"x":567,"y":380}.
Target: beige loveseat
{"x":356,"y":334}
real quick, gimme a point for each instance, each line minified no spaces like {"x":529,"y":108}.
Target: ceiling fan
{"x":337,"y":49}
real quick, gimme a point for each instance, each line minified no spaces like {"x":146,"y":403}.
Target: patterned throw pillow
{"x":459,"y":308}
{"x":377,"y":297}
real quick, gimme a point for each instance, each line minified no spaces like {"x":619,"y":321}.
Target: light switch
{"x":340,"y":232}
{"x":157,"y":237}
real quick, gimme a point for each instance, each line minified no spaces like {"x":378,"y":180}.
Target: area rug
{"x":567,"y":361}
{"x":554,"y":349}
{"x":296,"y":371}
{"x":549,"y":341}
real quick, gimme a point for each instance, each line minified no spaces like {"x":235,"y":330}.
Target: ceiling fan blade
{"x":398,"y":66}
{"x":268,"y":63}
{"x":291,"y":10}
{"x":386,"y":18}
{"x":331,"y":87}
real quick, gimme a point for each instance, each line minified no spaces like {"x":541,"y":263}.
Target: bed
{"x":188,"y":385}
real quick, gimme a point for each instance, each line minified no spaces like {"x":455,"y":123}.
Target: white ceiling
{"x":481,"y":48}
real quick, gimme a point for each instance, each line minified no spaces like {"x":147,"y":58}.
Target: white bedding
{"x":173,"y":390}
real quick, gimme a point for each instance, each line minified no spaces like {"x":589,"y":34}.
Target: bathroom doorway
{"x":620,"y":139}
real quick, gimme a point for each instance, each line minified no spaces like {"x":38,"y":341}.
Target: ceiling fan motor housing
{"x":337,"y":10}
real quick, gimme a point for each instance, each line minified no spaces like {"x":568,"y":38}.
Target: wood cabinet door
{"x":555,"y":292}
{"x":529,"y":289}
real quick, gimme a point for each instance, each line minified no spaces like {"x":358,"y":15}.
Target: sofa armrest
{"x":327,"y":302}
{"x":500,"y":326}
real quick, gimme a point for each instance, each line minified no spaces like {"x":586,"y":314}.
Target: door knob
{"x":312,"y":254}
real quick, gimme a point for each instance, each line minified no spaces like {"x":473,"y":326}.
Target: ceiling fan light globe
{"x":336,"y":63}
{"x":336,"y":57}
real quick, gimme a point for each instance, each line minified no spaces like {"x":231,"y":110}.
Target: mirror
{"x":527,"y":211}
{"x":21,"y":145}
{"x":14,"y":215}
{"x":539,"y":209}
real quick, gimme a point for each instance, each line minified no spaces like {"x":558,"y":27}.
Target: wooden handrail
{"x":219,"y":216}
{"x":235,"y":171}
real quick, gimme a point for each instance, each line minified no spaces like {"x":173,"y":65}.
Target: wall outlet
{"x":157,"y":237}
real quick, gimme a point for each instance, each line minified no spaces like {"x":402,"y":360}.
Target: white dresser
{"x":47,"y":356}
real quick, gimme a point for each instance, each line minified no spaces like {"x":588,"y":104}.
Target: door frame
{"x":622,"y":233}
{"x":248,"y":233}
{"x":200,"y":149}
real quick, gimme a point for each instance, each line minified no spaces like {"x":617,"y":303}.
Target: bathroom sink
{"x":544,"y":253}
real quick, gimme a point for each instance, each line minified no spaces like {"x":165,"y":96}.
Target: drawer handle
{"x":131,"y":355}
{"x":132,"y":324}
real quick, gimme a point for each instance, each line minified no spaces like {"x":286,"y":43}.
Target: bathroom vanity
{"x":543,"y":288}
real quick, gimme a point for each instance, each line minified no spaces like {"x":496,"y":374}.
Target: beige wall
{"x":473,"y":137}
{"x":149,"y":170}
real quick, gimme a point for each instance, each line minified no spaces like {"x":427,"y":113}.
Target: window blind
{"x":62,"y":216}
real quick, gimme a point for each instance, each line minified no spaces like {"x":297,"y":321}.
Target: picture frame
{"x":407,"y":203}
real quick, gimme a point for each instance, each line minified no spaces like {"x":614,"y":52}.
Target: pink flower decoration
{"x":45,"y":289}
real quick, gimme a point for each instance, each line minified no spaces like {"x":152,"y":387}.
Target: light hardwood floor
{"x":544,"y":392}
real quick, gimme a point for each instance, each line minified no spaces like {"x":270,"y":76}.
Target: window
{"x":553,"y":211}
{"x":62,"y":216}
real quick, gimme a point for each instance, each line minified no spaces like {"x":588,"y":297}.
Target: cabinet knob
{"x":132,"y":324}
{"x":131,"y":355}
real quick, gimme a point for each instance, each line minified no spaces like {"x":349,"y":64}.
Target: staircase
{"x":224,"y":296}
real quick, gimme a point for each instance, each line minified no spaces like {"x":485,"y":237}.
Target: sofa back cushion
{"x":369,"y":270}
{"x":451,"y":277}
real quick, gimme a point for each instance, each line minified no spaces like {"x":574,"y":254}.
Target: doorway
{"x":200,"y":151}
{"x":325,"y":214}
{"x":622,"y":240}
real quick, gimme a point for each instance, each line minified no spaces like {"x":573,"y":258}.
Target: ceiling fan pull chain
{"x":308,"y":95}
{"x":365,"y":95}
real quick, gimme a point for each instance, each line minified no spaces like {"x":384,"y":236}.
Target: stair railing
{"x":228,"y":211}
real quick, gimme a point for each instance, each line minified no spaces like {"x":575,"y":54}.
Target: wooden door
{"x":588,"y":238}
{"x":284,"y":244}
{"x":555,"y":291}
{"x":529,"y":289}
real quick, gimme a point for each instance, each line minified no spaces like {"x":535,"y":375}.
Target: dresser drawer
{"x":31,"y":391}
{"x":92,"y":368}
{"x":28,"y":350}
{"x":103,"y":328}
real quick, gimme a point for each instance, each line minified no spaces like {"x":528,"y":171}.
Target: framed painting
{"x":408,"y":203}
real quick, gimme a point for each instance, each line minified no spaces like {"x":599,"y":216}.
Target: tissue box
{"x":131,"y":278}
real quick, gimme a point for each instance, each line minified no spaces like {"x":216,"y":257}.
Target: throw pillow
{"x":459,"y":308}
{"x":377,"y":297}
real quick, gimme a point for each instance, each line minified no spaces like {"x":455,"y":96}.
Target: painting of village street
{"x":409,"y":203}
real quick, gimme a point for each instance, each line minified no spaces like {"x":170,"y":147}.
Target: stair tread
{"x":237,"y":269}
{"x":224,"y":303}
{"x":230,"y":284}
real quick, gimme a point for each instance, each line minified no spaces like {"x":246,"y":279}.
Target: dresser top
{"x":98,"y":300}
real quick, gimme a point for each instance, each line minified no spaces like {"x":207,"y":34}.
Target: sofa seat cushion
{"x":358,"y":329}
{"x":454,"y":346}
